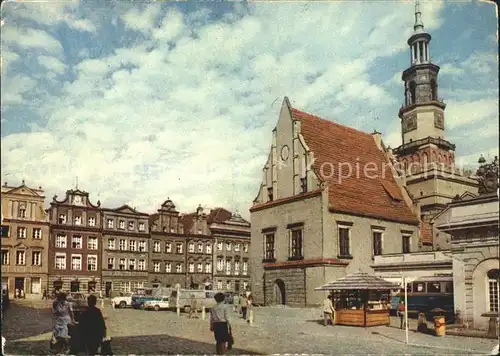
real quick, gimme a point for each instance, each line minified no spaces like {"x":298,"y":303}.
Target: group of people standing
{"x":242,"y":304}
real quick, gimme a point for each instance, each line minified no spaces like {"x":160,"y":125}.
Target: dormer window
{"x":122,"y":224}
{"x":78,"y":220}
{"x":142,"y":226}
{"x":62,"y":218}
{"x":270,"y":194}
{"x":131,"y":225}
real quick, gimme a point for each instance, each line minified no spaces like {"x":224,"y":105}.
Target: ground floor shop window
{"x":92,"y":287}
{"x":57,"y":285}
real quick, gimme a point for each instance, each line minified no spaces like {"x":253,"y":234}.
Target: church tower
{"x":426,"y":159}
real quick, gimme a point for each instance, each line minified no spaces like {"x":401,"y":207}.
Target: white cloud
{"x":13,"y":89}
{"x":31,"y":39}
{"x":464,"y":112}
{"x":51,"y":63}
{"x":151,"y":121}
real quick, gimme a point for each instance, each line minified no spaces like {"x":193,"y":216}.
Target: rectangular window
{"x":142,"y":265}
{"x":178,"y":268}
{"x":142,"y":226}
{"x":156,"y":246}
{"x":111,"y":263}
{"x":245,"y":247}
{"x":76,"y":242}
{"x":377,"y":243}
{"x":62,"y":218}
{"x":156,"y":266}
{"x":91,"y":221}
{"x":21,"y":232}
{"x":228,"y":267}
{"x":344,"y":241}
{"x":20,"y":258}
{"x":122,"y":264}
{"x":110,"y":223}
{"x":296,"y":244}
{"x":228,"y":246}
{"x":219,"y":285}
{"x":36,"y":258}
{"x":131,"y":264}
{"x":132,"y":245}
{"x":61,"y":241}
{"x":168,"y":247}
{"x":219,"y":246}
{"x":131,"y":225}
{"x":208,"y":267}
{"x":191,"y":247}
{"x":199,"y":268}
{"x":142,"y":246}
{"x":200,"y":248}
{"x":493,"y":295}
{"x":433,"y":287}
{"x":270,"y":194}
{"x":220,"y":264}
{"x":228,"y":285}
{"x":236,"y":268}
{"x":208,"y":248}
{"x":22,"y":213}
{"x":245,"y":267}
{"x":406,"y":244}
{"x":111,"y":244}
{"x":76,"y":263}
{"x":91,"y":263}
{"x":37,"y":233}
{"x":178,"y":248}
{"x":123,"y":245}
{"x":60,"y":261}
{"x":78,"y":220}
{"x":303,"y":185}
{"x":191,"y":267}
{"x":92,"y":243}
{"x":5,"y":257}
{"x":237,"y":247}
{"x":121,"y":224}
{"x":168,"y":267}
{"x":269,"y":246}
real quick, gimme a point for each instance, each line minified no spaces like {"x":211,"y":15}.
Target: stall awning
{"x":359,"y":281}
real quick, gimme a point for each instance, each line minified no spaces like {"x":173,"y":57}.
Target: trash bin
{"x":440,"y":325}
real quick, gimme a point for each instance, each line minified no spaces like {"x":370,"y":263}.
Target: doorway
{"x":36,"y":285}
{"x":279,"y":292}
{"x":19,"y":283}
{"x":108,"y":289}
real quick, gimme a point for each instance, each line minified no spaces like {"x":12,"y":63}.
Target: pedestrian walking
{"x":193,"y":308}
{"x":244,"y":306}
{"x":236,"y":303}
{"x":63,"y":317}
{"x":401,"y":313}
{"x":92,"y":326}
{"x":220,"y":326}
{"x":45,"y":294}
{"x":327,"y":310}
{"x":249,"y":307}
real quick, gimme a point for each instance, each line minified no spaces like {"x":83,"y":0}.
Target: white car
{"x":158,"y":304}
{"x":122,"y":301}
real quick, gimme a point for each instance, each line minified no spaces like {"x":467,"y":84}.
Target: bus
{"x":427,"y":294}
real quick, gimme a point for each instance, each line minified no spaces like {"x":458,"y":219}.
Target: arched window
{"x":413,"y":92}
{"x":433,"y":90}
{"x":425,"y":158}
{"x":493,"y":290}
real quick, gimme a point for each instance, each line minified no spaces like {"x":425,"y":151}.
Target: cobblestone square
{"x":27,"y":329}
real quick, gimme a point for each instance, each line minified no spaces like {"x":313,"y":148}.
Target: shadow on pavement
{"x":22,"y":321}
{"x":139,"y":345}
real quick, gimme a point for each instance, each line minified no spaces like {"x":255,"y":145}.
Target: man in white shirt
{"x":327,"y":309}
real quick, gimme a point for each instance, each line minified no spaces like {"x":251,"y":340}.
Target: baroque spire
{"x":419,"y":25}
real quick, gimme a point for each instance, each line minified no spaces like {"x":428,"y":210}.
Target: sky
{"x":147,"y":100}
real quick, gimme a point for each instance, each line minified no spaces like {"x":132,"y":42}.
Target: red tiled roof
{"x":426,"y":233}
{"x":187,"y":222}
{"x":218,"y":215}
{"x":371,"y":192}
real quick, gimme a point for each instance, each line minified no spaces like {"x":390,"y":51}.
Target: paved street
{"x":276,"y":330}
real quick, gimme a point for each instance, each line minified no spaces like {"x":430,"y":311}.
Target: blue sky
{"x":147,"y":100}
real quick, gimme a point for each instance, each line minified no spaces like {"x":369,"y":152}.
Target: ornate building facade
{"x":75,"y":243}
{"x":231,"y":250}
{"x":25,"y":246}
{"x":168,"y":247}
{"x":125,"y":250}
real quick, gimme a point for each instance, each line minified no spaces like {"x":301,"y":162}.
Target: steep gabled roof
{"x":218,"y":215}
{"x":369,"y":192}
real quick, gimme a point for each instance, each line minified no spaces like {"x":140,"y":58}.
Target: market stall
{"x":361,"y":299}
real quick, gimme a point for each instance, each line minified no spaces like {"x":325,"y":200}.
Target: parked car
{"x":122,"y":301}
{"x":203,"y":297}
{"x":139,"y":300}
{"x":158,"y":304}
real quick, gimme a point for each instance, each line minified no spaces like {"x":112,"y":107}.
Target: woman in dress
{"x":63,"y":314}
{"x":219,"y":325}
